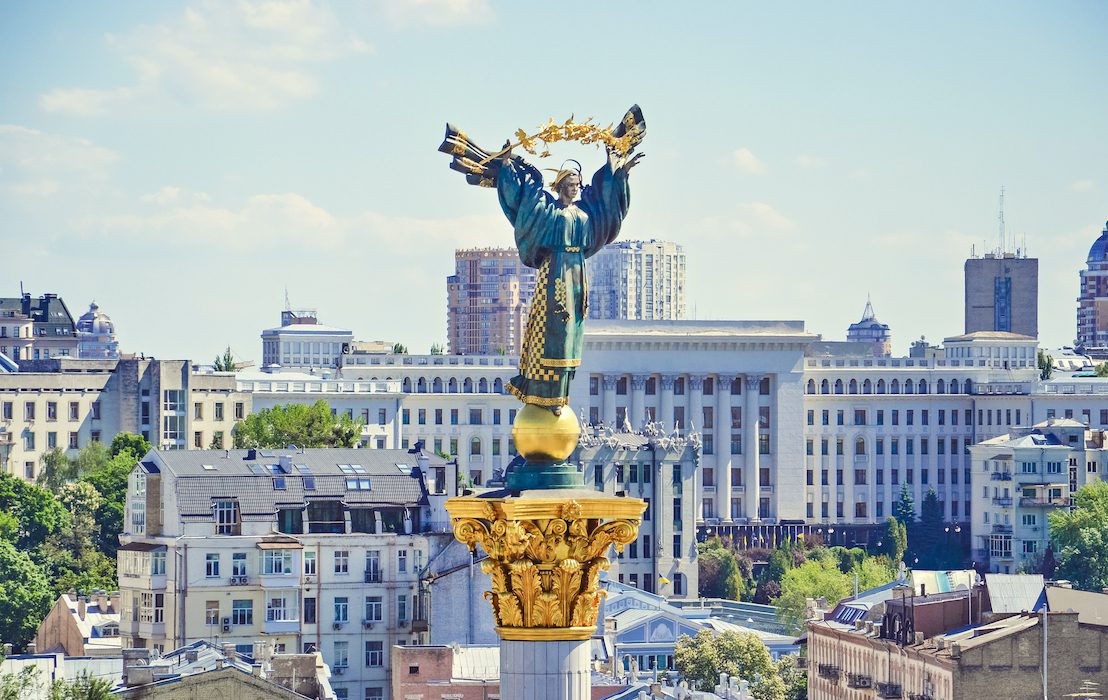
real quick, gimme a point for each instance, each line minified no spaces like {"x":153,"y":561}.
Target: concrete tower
{"x":1002,"y":293}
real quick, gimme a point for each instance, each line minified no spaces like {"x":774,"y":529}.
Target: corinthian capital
{"x":724,"y":381}
{"x":752,"y":381}
{"x":638,"y":382}
{"x":696,"y":382}
{"x":667,"y":381}
{"x":610,"y":382}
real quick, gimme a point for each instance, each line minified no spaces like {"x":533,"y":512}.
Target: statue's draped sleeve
{"x":530,"y":210}
{"x":605,"y":201}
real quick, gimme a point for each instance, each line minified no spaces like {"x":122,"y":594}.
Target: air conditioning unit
{"x":367,"y":624}
{"x":226,"y":624}
{"x":309,"y":579}
{"x":339,"y":670}
{"x":337,"y":626}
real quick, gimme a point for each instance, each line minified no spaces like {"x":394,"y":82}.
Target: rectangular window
{"x":811,"y":417}
{"x":277,"y":562}
{"x":280,"y":607}
{"x":859,"y":416}
{"x":342,"y":609}
{"x":453,"y":419}
{"x":310,"y":611}
{"x":401,"y":608}
{"x":211,"y":612}
{"x":881,"y":417}
{"x":309,"y":563}
{"x":402,"y":561}
{"x":475,"y":417}
{"x":74,"y":410}
{"x":341,"y":658}
{"x":238,"y":564}
{"x":374,"y":654}
{"x":839,"y":418}
{"x":342,"y":561}
{"x":242,"y":612}
{"x":211,"y":565}
{"x":373,"y":608}
{"x":382,"y":416}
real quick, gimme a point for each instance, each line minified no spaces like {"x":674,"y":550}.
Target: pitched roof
{"x":1013,"y":593}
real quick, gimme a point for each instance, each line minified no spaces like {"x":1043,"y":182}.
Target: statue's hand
{"x":506,"y":157}
{"x":634,"y":161}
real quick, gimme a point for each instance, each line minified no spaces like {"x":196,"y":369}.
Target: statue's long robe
{"x":556,"y":240}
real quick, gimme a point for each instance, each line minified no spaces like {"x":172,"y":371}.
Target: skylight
{"x":208,"y":467}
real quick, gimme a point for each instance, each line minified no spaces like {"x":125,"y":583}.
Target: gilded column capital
{"x":545,"y":558}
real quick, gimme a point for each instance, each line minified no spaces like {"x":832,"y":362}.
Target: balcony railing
{"x":859,"y":680}
{"x":1044,"y":502}
{"x":373,"y":576}
{"x":1003,"y":501}
{"x":890,"y":690}
{"x":921,"y":696}
{"x":1001,"y":476}
{"x":830,"y":671}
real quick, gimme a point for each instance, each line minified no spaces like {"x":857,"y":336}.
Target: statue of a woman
{"x":555,"y":236}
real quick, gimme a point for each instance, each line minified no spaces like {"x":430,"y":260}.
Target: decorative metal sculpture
{"x":555,"y":235}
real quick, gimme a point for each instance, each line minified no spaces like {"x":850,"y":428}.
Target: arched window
{"x":969,"y":386}
{"x":909,"y":387}
{"x":436,"y":386}
{"x":880,"y":386}
{"x":406,"y":385}
{"x":852,"y":388}
{"x":954,"y":386}
{"x":452,"y":386}
{"x":867,"y":387}
{"x":467,"y":386}
{"x":497,"y":386}
{"x":838,"y":386}
{"x":421,"y":386}
{"x":894,"y":387}
{"x":922,"y":388}
{"x":859,"y":446}
{"x":811,"y":387}
{"x":940,"y":387}
{"x":475,"y":446}
{"x":824,"y":387}
{"x":483,"y":386}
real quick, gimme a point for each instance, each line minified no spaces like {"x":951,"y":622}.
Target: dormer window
{"x":226,"y":517}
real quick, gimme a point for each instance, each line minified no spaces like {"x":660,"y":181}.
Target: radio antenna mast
{"x":1000,"y":224}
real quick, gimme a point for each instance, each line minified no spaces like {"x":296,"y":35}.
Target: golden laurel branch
{"x":552,"y":132}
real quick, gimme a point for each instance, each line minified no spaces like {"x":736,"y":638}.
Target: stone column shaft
{"x":609,"y":413}
{"x":722,"y":430}
{"x":665,"y":405}
{"x":637,"y":416}
{"x":750,"y":445}
{"x":559,"y":670}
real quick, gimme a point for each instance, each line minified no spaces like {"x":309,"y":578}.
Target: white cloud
{"x":765,"y":217}
{"x":1083,"y":186}
{"x":35,"y":164}
{"x":219,"y":56}
{"x":810,"y":162}
{"x":436,"y":13}
{"x":752,"y":219}
{"x":746,"y":160}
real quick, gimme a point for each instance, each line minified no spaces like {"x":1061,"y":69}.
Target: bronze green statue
{"x":554,"y":235}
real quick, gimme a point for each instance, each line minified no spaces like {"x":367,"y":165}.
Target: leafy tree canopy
{"x":25,"y":596}
{"x":137,"y":445}
{"x":298,"y":424}
{"x":224,"y":362}
{"x":36,"y":512}
{"x":702,"y":658}
{"x":815,"y":578}
{"x":1080,"y":538}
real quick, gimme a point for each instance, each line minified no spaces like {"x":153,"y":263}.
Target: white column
{"x":638,"y":401}
{"x":750,"y":445}
{"x":694,"y":418}
{"x":558,"y":670}
{"x":665,"y":405}
{"x":723,"y":445}
{"x":610,"y":400}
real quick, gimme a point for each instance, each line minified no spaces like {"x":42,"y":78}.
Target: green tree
{"x":84,"y":687}
{"x":816,"y":578}
{"x":137,"y":445}
{"x":224,"y":362}
{"x":70,"y":557}
{"x":929,"y":540}
{"x":55,"y":470}
{"x":1102,"y":369}
{"x":720,"y":576}
{"x":399,"y":349}
{"x":22,"y":685}
{"x":848,"y":559}
{"x":437,"y":349}
{"x":24,"y":596}
{"x":794,"y":677}
{"x":1080,"y":538}
{"x":895,"y":541}
{"x":110,"y":480}
{"x":298,"y":424}
{"x":904,"y":509}
{"x":1046,"y":365}
{"x":37,"y":513}
{"x":873,"y":572}
{"x":702,"y":658}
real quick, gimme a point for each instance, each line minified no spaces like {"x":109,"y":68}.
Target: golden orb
{"x":542,"y":437}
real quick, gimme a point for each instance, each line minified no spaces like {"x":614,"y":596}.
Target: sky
{"x":184,"y":164}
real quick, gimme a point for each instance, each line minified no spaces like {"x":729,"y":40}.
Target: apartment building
{"x":641,"y":280}
{"x":36,"y":328}
{"x":66,"y":403}
{"x":1019,"y":477}
{"x":488,"y":298}
{"x":302,"y":343}
{"x":310,"y":549}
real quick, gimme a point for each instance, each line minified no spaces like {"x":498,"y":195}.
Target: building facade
{"x":36,"y":328}
{"x":1002,"y":294}
{"x":1092,"y":300}
{"x":1023,"y":475}
{"x":872,"y":332}
{"x":96,"y":335}
{"x":639,"y":280}
{"x":302,"y":343}
{"x":488,"y":298}
{"x":314,"y":550}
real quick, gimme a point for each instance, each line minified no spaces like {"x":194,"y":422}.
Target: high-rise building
{"x":96,"y":335}
{"x":638,"y":280}
{"x":1092,"y":305}
{"x":488,"y":297}
{"x":871,"y":331}
{"x":1002,"y":293}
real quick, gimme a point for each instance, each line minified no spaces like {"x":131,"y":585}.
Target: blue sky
{"x":183,"y":163}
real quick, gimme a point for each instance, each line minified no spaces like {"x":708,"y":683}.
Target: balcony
{"x":1003,"y":501}
{"x":859,"y":680}
{"x":1044,"y":502}
{"x":373,"y":576}
{"x":281,"y":627}
{"x":1002,"y":529}
{"x":419,"y":626}
{"x":890,"y":690}
{"x":830,"y":672}
{"x":1001,"y":476}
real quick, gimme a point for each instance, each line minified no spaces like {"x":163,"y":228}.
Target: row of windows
{"x":894,"y":446}
{"x":867,"y":386}
{"x":452,"y":386}
{"x":861,"y":416}
{"x":861,"y":509}
{"x":282,"y":562}
{"x":30,"y":442}
{"x":650,"y":385}
{"x":476,"y":416}
{"x":30,"y":410}
{"x":861,"y":476}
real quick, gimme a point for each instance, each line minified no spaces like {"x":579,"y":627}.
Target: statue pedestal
{"x":546,"y":551}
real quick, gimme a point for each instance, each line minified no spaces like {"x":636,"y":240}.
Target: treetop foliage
{"x":298,"y":424}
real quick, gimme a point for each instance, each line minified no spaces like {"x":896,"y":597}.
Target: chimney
{"x":286,"y":461}
{"x":136,"y":666}
{"x":113,"y":603}
{"x":32,"y":648}
{"x":229,"y":651}
{"x":81,"y":602}
{"x":256,"y":670}
{"x":955,"y":650}
{"x":251,"y":454}
{"x":191,"y":656}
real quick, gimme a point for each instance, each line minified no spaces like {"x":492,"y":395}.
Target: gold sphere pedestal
{"x":546,"y":441}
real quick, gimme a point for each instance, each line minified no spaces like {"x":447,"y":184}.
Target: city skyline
{"x":183,"y":164}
